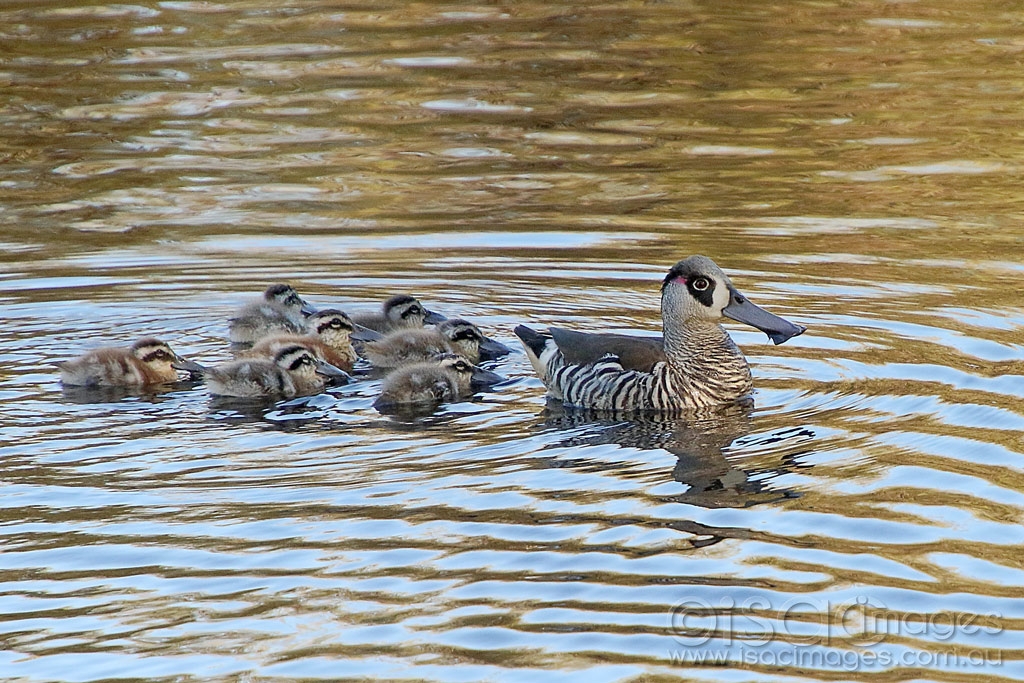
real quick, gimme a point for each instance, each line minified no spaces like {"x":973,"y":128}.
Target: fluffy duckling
{"x":398,"y":312}
{"x":293,"y":371}
{"x":279,"y":310}
{"x":147,"y":362}
{"x":329,"y":339}
{"x":416,"y":345}
{"x":446,"y":377}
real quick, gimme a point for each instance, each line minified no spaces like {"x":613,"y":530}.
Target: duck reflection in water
{"x":699,"y":442}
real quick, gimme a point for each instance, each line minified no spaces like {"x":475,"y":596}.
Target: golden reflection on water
{"x":853,"y":166}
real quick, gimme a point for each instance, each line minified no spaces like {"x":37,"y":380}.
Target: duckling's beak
{"x":307,"y":309}
{"x":484,"y":378}
{"x":741,"y":310}
{"x":492,"y":350}
{"x":433,"y":318}
{"x":364,"y":334}
{"x":194,"y":369}
{"x":336,"y":375}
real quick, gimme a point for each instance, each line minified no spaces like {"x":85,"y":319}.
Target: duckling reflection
{"x":415,"y":345}
{"x":698,"y":441}
{"x":398,"y":312}
{"x":279,"y":310}
{"x":329,"y":339}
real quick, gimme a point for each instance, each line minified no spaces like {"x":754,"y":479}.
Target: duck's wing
{"x":634,"y":353}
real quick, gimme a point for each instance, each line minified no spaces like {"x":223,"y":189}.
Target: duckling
{"x":329,"y":339}
{"x":415,"y":345}
{"x":695,"y":365}
{"x":147,"y":362}
{"x":293,"y":371}
{"x":279,"y":310}
{"x":398,"y":312}
{"x":446,"y":377}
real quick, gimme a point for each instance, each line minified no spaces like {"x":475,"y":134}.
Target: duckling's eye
{"x":701,"y":284}
{"x":462,"y":366}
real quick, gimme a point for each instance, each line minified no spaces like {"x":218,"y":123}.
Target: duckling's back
{"x":261,"y":318}
{"x":250,"y":377}
{"x":403,"y":347}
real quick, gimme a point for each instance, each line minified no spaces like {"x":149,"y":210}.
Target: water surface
{"x":853,"y":166}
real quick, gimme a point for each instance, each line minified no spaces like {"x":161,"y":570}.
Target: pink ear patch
{"x":680,"y":279}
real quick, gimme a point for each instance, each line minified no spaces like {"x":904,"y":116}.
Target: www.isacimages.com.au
{"x":841,"y":660}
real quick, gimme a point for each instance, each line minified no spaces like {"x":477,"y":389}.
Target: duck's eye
{"x":701,"y":284}
{"x":462,"y":366}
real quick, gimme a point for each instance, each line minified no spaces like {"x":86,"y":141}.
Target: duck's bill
{"x":484,"y":378}
{"x":307,"y":308}
{"x":434,"y":318}
{"x":193,"y":368}
{"x":778,"y":329}
{"x":364,"y":334}
{"x":335,"y":374}
{"x":492,"y":350}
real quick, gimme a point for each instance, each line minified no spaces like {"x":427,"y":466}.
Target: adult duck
{"x":696,"y":364}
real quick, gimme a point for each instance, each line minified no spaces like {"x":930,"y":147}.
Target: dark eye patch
{"x":705,"y":296}
{"x":159,"y":354}
{"x":304,"y":359}
{"x":412,"y":310}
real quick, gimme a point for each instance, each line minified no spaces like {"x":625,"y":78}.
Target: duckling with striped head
{"x":446,"y":377}
{"x":694,"y":365}
{"x":329,"y":339}
{"x":279,"y":310}
{"x":398,"y":312}
{"x":293,"y":371}
{"x":147,"y":362}
{"x":416,"y":345}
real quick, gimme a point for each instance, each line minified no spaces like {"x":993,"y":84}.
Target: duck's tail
{"x":543,"y":353}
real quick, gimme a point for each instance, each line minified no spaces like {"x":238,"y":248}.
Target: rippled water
{"x":855,"y":167}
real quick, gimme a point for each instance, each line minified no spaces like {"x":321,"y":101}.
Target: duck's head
{"x":697,"y":289}
{"x":468,"y":376}
{"x":403,"y":310}
{"x":300,"y":361}
{"x":470,"y":341}
{"x":159,"y":356}
{"x":285,"y":295}
{"x":331,"y":323}
{"x":463,"y":335}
